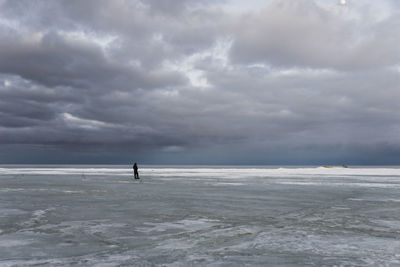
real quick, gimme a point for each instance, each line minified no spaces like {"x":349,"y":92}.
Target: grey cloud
{"x":56,"y":62}
{"x":313,"y":108}
{"x":304,"y":34}
{"x":134,"y":23}
{"x":299,"y":83}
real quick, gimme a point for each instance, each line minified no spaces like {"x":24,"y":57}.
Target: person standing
{"x":135,"y":171}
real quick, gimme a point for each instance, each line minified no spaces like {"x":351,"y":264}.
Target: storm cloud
{"x":200,"y":82}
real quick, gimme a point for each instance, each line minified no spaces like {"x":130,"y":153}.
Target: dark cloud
{"x":53,"y":61}
{"x":292,"y":82}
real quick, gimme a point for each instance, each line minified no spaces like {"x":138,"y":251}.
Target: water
{"x":99,"y":216}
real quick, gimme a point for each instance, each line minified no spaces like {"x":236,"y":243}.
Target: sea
{"x":82,"y":215}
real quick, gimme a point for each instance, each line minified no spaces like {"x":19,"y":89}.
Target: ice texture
{"x":199,"y":216}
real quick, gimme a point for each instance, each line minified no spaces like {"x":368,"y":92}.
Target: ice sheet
{"x":88,"y":216}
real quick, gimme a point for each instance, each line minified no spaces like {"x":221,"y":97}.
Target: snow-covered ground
{"x":215,"y":216}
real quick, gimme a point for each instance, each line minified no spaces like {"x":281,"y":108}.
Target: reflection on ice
{"x":226,"y":172}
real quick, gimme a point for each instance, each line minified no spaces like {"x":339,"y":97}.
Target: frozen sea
{"x":199,"y":216}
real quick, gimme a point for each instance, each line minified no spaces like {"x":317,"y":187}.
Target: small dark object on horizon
{"x":330,"y":166}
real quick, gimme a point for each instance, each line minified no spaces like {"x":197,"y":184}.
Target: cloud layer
{"x":186,"y":82}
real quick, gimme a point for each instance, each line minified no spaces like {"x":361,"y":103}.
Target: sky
{"x":274,"y":82}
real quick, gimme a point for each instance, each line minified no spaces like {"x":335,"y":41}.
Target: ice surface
{"x":181,"y":216}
